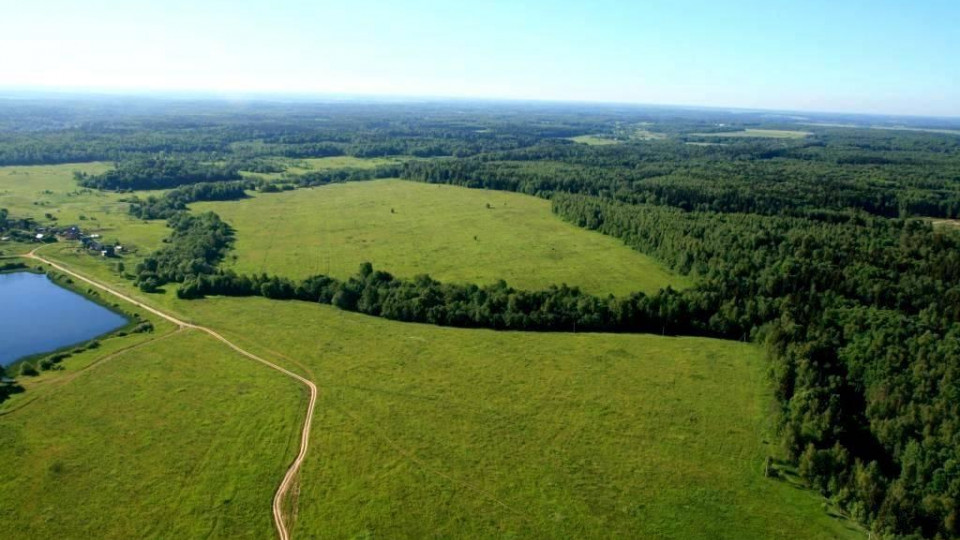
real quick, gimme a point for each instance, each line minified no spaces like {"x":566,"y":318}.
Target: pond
{"x":38,"y":316}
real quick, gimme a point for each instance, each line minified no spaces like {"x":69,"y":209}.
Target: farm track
{"x":294,"y":468}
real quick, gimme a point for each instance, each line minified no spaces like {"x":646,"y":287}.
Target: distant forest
{"x":822,"y":248}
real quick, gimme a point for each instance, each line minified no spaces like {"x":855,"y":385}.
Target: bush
{"x":28,"y":370}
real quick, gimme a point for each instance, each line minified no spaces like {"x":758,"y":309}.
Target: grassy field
{"x":427,"y":431}
{"x":420,"y":431}
{"x":759,"y":133}
{"x":177,"y":438}
{"x":340,"y":162}
{"x":593,"y":140}
{"x":34,"y":191}
{"x":435,"y":432}
{"x":452,"y":233}
{"x":296,"y":167}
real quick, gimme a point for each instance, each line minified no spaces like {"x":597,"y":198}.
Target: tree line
{"x":908,"y":175}
{"x":176,"y":200}
{"x":157,"y":172}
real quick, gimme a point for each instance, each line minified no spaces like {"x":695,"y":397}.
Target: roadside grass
{"x":178,"y":438}
{"x":452,"y":233}
{"x":758,"y":133}
{"x":424,"y":431}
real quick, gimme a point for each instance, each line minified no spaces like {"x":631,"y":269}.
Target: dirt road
{"x":291,"y":474}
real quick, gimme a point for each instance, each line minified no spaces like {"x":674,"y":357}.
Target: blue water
{"x":38,"y":316}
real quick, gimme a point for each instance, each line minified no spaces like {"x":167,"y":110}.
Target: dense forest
{"x":821,"y":247}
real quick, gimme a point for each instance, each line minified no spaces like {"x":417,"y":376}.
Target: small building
{"x":39,"y":236}
{"x":71,"y":233}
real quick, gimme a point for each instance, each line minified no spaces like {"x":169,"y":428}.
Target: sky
{"x":878,"y":56}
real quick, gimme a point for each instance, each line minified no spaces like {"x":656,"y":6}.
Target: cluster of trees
{"x":12,"y":266}
{"x":196,"y":245}
{"x":10,"y":223}
{"x":7,"y":389}
{"x":423,"y":299}
{"x":347,"y":174}
{"x":862,"y":319}
{"x":157,"y":172}
{"x":176,"y":200}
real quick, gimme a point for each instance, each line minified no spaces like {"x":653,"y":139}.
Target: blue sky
{"x":844,"y":55}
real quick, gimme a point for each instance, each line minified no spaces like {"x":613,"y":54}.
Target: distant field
{"x":341,"y":162}
{"x":593,"y":140}
{"x":301,"y":166}
{"x":893,"y":128}
{"x":759,"y":133}
{"x":927,"y":130}
{"x":409,"y":228}
{"x":436,"y":432}
{"x":33,"y":191}
{"x":180,"y":438}
{"x":953,"y":224}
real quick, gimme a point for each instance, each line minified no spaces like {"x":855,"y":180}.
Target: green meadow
{"x":452,"y":233}
{"x":424,"y":431}
{"x":593,"y":140}
{"x":178,"y":437}
{"x":420,"y":431}
{"x":34,"y":191}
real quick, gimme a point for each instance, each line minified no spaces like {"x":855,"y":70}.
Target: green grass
{"x":296,"y":167}
{"x":435,"y":432}
{"x":446,"y":231}
{"x":593,"y":140}
{"x":33,"y":191}
{"x":759,"y":133}
{"x":420,"y":431}
{"x":427,"y":431}
{"x":179,"y":438}
{"x":341,"y":162}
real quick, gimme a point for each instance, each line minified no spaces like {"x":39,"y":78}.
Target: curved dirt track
{"x":288,"y":478}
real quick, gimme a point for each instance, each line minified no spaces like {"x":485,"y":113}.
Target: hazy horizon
{"x":857,"y":58}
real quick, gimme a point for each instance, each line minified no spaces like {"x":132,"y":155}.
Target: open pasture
{"x":178,"y":437}
{"x":434,"y":432}
{"x":451,"y":233}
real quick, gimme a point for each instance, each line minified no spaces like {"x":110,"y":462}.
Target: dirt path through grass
{"x":294,"y":468}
